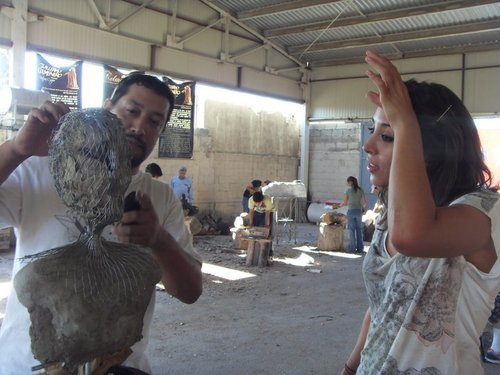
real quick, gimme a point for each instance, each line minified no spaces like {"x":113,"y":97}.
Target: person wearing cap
{"x":182,"y":186}
{"x":253,"y":187}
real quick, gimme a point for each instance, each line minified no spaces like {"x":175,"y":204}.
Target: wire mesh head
{"x":90,"y":163}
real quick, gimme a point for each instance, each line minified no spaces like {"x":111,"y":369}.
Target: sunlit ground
{"x":304,"y":259}
{"x":339,"y":254}
{"x":224,"y":272}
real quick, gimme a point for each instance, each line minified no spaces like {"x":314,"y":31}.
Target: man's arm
{"x":250,"y":216}
{"x":181,"y":272}
{"x":32,"y":139}
{"x":268,"y":218}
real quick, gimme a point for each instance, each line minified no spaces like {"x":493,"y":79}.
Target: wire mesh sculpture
{"x":87,"y":299}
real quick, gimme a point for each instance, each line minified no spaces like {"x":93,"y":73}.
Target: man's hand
{"x":181,"y":271}
{"x":139,"y":226}
{"x":33,"y":138}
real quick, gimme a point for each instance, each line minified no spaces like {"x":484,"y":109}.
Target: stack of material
{"x":290,"y":199}
{"x":331,"y":232}
{"x":295,"y":189}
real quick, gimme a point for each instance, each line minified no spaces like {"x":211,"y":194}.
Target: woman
{"x":355,"y":200}
{"x":432,"y":270}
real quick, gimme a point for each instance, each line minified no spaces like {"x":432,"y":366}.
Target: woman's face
{"x":379,"y":149}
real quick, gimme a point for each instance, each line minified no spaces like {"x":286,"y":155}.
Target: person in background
{"x":355,"y":200}
{"x":154,"y":170}
{"x":260,"y":213}
{"x":182,"y":186}
{"x":432,"y":270}
{"x":30,"y":203}
{"x":254,"y":186}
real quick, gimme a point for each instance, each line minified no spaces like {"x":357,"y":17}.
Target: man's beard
{"x":136,"y":160}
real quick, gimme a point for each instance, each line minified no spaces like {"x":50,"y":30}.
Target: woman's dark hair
{"x":452,"y":149}
{"x":148,"y":81}
{"x":354,"y":181}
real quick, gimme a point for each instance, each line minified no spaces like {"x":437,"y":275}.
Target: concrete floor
{"x":300,"y":316}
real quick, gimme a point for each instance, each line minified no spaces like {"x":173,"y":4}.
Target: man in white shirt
{"x":29,"y":203}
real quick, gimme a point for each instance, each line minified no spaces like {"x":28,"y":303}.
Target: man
{"x":182,"y":186}
{"x":260,"y":213}
{"x":254,"y":186}
{"x":260,"y":209}
{"x":154,"y":170}
{"x":29,"y":202}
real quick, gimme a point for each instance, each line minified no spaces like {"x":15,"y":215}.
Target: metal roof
{"x":324,"y":33}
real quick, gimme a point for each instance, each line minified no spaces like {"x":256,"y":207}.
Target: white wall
{"x":340,"y":92}
{"x":236,"y":146}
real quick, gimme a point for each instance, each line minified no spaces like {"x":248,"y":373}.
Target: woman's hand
{"x":393,"y":95}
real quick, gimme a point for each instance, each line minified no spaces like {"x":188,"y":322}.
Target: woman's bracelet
{"x":349,"y":370}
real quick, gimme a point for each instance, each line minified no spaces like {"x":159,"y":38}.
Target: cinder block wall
{"x":334,"y":154}
{"x":236,"y":146}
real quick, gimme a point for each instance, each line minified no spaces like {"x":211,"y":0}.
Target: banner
{"x":112,"y":77}
{"x":62,"y":83}
{"x":176,"y":141}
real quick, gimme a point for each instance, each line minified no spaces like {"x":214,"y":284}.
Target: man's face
{"x":182,"y":175}
{"x":143,"y":114}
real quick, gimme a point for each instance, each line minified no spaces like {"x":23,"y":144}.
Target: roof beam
{"x":413,"y":54}
{"x":199,"y":30}
{"x":130,"y":14}
{"x":441,"y":6}
{"x":252,"y":32}
{"x":399,"y":37}
{"x":279,"y":8}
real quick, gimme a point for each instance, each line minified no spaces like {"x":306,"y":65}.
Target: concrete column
{"x":19,"y":31}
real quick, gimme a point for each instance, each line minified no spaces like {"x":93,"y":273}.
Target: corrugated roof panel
{"x":488,"y":37}
{"x":383,"y":28}
{"x":431,"y":44}
{"x":302,"y":16}
{"x":359,"y":8}
{"x":235,"y":6}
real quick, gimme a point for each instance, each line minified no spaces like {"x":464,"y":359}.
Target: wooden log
{"x":331,"y":237}
{"x":258,"y":252}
